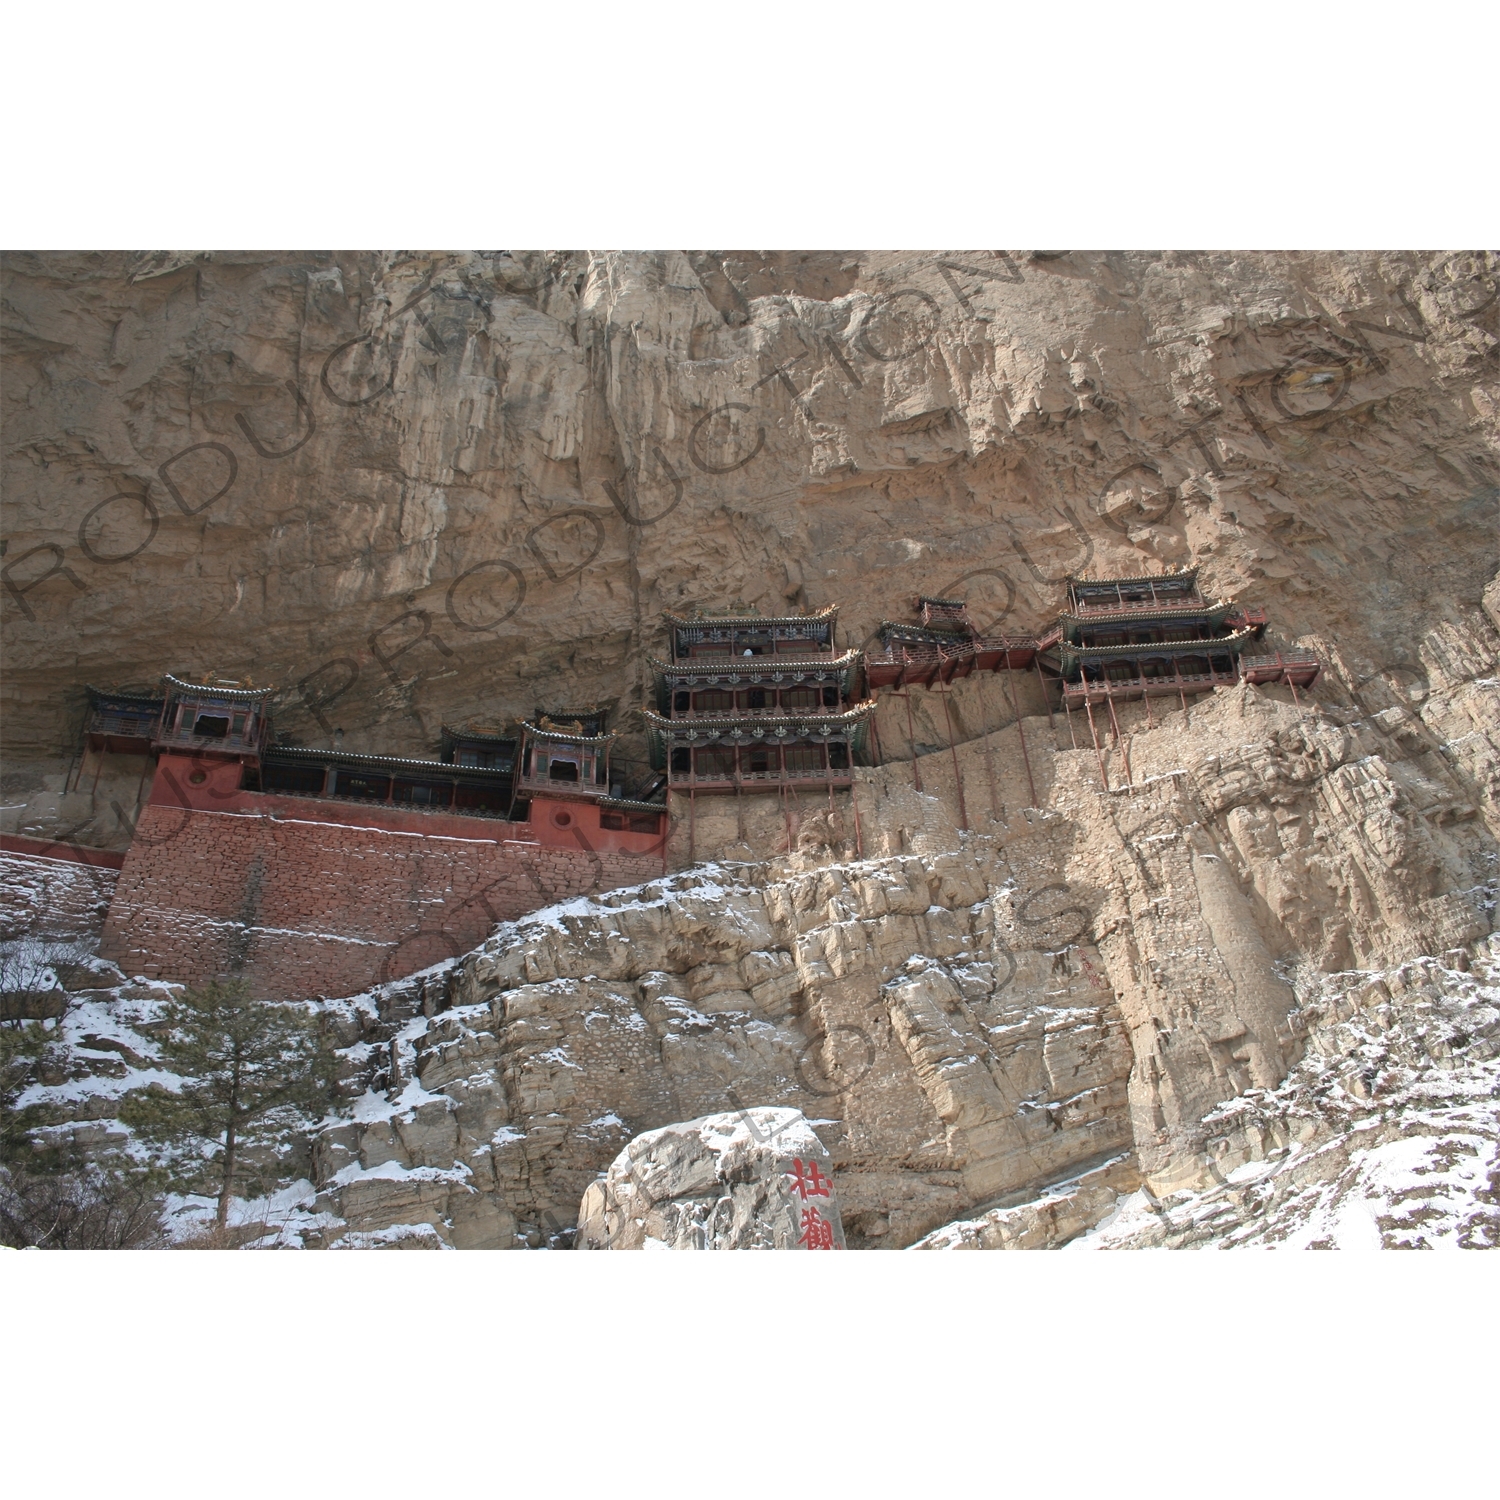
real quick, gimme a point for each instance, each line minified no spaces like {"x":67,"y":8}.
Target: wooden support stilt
{"x":1098,"y":753}
{"x":140,"y":785}
{"x":875,"y":735}
{"x":859,"y":843}
{"x":958,"y":780}
{"x":692,"y":824}
{"x":989,"y":757}
{"x":98,"y":771}
{"x":1069,"y":712}
{"x":1020,"y":730}
{"x":1147,"y":696}
{"x":1042,"y":682}
{"x":1109,"y":698}
{"x":911,"y":736}
{"x":1120,"y":738}
{"x":73,"y":758}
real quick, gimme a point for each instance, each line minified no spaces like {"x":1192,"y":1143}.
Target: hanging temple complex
{"x":322,"y":871}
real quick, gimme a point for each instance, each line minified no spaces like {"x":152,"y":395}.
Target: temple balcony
{"x":761,"y":781}
{"x":122,"y":723}
{"x":742,"y":705}
{"x":1137,"y":686}
{"x":1297,"y":667}
{"x":205,"y":729}
{"x":213,"y":718}
{"x":926,"y":664}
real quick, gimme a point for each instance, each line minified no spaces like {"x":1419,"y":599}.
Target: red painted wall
{"x":78,"y":854}
{"x":309,"y":897}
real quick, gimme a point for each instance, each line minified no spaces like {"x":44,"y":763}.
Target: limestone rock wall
{"x":407,"y":487}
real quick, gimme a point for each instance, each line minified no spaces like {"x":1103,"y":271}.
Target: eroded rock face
{"x":757,"y":1179}
{"x":413,"y":487}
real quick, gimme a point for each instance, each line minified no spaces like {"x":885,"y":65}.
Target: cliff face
{"x":1015,"y":975}
{"x":408,"y":488}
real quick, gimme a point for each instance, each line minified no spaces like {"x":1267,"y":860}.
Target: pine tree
{"x":250,"y":1070}
{"x":23,"y":1044}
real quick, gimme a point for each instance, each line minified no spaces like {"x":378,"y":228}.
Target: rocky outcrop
{"x":757,"y":1179}
{"x":1385,"y":1135}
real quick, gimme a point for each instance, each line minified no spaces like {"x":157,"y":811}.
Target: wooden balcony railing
{"x":729,"y":780}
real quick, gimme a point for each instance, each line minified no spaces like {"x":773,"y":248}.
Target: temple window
{"x":308,"y":780}
{"x":712,"y":701}
{"x":755,"y":760}
{"x":755,"y":698}
{"x":681,"y":702}
{"x":481,"y":799}
{"x":212,"y":726}
{"x":562,"y":770}
{"x":715,"y":761}
{"x":830,"y":697}
{"x":802,"y":759}
{"x":838,"y":754}
{"x":424,"y":793}
{"x":682,"y":760}
{"x":799,"y":697}
{"x":367,"y":787}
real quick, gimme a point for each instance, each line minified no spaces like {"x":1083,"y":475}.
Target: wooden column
{"x":911,"y":737}
{"x":1098,"y":754}
{"x":1020,"y":730}
{"x":1046,"y":696}
{"x":958,"y":780}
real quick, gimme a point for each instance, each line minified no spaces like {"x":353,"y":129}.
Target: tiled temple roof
{"x":813,"y":617}
{"x":218,"y":690}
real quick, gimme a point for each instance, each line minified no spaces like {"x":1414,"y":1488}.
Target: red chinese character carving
{"x":808,"y":1181}
{"x":817,"y":1232}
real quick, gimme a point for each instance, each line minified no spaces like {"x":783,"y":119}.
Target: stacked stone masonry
{"x":307,"y":908}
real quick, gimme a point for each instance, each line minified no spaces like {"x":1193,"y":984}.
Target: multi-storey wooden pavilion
{"x":1157,"y":635}
{"x":756,"y":703}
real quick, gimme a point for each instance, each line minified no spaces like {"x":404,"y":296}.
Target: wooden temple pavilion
{"x":1158,"y":635}
{"x":757,"y":702}
{"x":122,"y":723}
{"x":944,"y":645}
{"x":222,"y":720}
{"x":221,"y":732}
